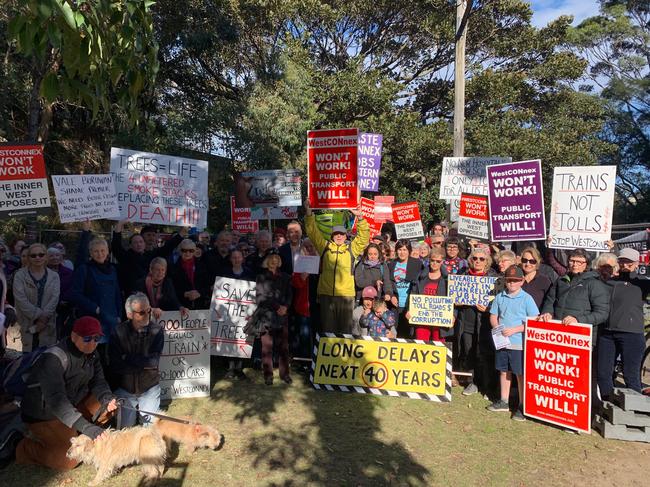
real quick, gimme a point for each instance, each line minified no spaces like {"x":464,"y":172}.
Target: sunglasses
{"x":577,"y":262}
{"x":142,"y":313}
{"x":187,"y":251}
{"x":529,"y":261}
{"x":33,"y":256}
{"x":436,"y":261}
{"x":478,"y":258}
{"x":92,"y":338}
{"x":436,"y":243}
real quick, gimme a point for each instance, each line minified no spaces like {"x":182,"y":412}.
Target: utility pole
{"x":459,"y":78}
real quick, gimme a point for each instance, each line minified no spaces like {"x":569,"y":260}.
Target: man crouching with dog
{"x":65,"y":388}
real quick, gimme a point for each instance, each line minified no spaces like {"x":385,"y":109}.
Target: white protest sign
{"x":306,"y":263}
{"x":233,"y":302}
{"x":185,"y":362}
{"x":471,"y":290}
{"x":86,"y":197}
{"x":466,"y":175}
{"x":582,"y":207}
{"x":431,"y":310}
{"x":160,"y":189}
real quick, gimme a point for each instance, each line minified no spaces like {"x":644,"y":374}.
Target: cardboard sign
{"x":241,"y":219}
{"x":306,"y":263}
{"x":185,"y":361}
{"x":473,"y":216}
{"x":272,"y":188}
{"x":407,"y":220}
{"x":516,"y":199}
{"x":557,"y":373}
{"x":86,"y":197}
{"x":23,"y":181}
{"x":431,"y":310}
{"x":582,"y":207}
{"x":411,"y":368}
{"x":233,"y":302}
{"x":284,"y":213}
{"x":471,"y":290}
{"x":369,"y":161}
{"x":384,"y":208}
{"x":332,"y":162}
{"x":160,"y":189}
{"x":466,"y":175}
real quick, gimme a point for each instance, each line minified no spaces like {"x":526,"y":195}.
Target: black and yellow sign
{"x":397,"y":367}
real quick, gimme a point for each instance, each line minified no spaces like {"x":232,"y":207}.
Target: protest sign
{"x":466,"y":175}
{"x":369,"y":161}
{"x":306,"y":263}
{"x":86,"y":197}
{"x":241,"y":219}
{"x":516,"y":201}
{"x":272,"y":188}
{"x":473,"y":216}
{"x":431,"y":310}
{"x":23,"y":181}
{"x":368,"y":212}
{"x":185,"y":361}
{"x":407,"y":220}
{"x":332,"y":162}
{"x":160,"y":189}
{"x":233,"y":302}
{"x":471,"y":290}
{"x":557,"y":373}
{"x":384,"y":208}
{"x":398,"y":367}
{"x":284,"y":213}
{"x":582,"y":207}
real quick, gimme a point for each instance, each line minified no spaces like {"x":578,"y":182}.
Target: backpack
{"x":327,"y":249}
{"x":14,"y":376}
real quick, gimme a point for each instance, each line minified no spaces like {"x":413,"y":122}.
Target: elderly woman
{"x":622,"y":334}
{"x":535,"y":283}
{"x":190,"y":277}
{"x":159,"y":289}
{"x":475,"y":349}
{"x":372,"y":270}
{"x":36,"y":296}
{"x":505,"y":258}
{"x":404,"y":272}
{"x":273,"y":296}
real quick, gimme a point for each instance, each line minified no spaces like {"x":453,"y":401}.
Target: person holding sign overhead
{"x":336,"y":284}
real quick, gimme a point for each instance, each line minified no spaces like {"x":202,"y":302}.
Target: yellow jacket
{"x":337,"y":273}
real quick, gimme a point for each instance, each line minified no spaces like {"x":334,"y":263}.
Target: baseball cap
{"x":87,"y":326}
{"x":369,"y":292}
{"x":629,"y":254}
{"x":514,"y":272}
{"x":339,"y":229}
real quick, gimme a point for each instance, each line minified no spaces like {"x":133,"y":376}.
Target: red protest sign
{"x":473,"y":216}
{"x":383,"y":208}
{"x":332,"y":174}
{"x":368,"y":212}
{"x":241,"y":219}
{"x":407,"y":220}
{"x":557,"y":373}
{"x":23,"y":181}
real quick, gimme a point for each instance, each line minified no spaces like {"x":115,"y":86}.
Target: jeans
{"x":631,"y":347}
{"x":147,"y":401}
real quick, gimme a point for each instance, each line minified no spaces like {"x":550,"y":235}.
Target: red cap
{"x":87,"y":326}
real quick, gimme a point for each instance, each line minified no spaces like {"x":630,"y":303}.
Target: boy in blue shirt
{"x":510,"y":309}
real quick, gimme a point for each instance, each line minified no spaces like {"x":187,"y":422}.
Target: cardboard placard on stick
{"x":471,"y":290}
{"x":473,"y":216}
{"x":241,"y":218}
{"x":431,"y":310}
{"x":86,"y":197}
{"x":407,"y":220}
{"x":23,"y":181}
{"x":369,"y":161}
{"x":233,"y":303}
{"x":270,"y":188}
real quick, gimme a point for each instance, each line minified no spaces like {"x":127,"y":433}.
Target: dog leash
{"x":122,"y":404}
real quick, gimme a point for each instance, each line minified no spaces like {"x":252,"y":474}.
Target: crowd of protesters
{"x":362,"y":288}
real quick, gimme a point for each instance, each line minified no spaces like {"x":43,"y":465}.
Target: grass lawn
{"x":293,"y":436}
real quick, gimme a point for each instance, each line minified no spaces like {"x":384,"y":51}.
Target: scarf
{"x":372,"y":263}
{"x":105,"y":267}
{"x":154,"y":291}
{"x":188,"y":268}
{"x":472,"y":272}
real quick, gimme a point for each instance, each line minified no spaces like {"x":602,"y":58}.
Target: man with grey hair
{"x":134,"y":352}
{"x":263,"y":241}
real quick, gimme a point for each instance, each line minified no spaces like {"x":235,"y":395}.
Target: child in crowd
{"x":360,"y":313}
{"x":382,"y":321}
{"x":510,"y":309}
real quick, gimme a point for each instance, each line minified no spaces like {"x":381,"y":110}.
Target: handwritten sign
{"x":332,"y":162}
{"x":233,"y":302}
{"x":241,"y":218}
{"x":161,"y":189}
{"x":557,"y":373}
{"x":185,"y":361}
{"x":431,"y":310}
{"x":473,"y":216}
{"x":23,"y":181}
{"x":369,"y":159}
{"x":582,"y":207}
{"x":516,"y":201}
{"x":466,"y":175}
{"x":407,"y":220}
{"x":86,"y":197}
{"x":271,"y":188}
{"x":471,"y":290}
{"x":412,"y":368}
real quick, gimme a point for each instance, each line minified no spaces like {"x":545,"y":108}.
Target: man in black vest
{"x":134,"y":351}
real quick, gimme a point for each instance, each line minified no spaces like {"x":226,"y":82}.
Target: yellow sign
{"x":431,"y":310}
{"x":403,"y":366}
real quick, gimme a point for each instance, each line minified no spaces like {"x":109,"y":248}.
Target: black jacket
{"x":168,"y":298}
{"x":201,"y":283}
{"x":271,"y":292}
{"x":470,"y":320}
{"x":419,"y":287}
{"x":413,"y":269}
{"x":626,"y":303}
{"x":134,"y":356}
{"x":364,"y":276}
{"x":54,"y":391}
{"x":583,"y":296}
